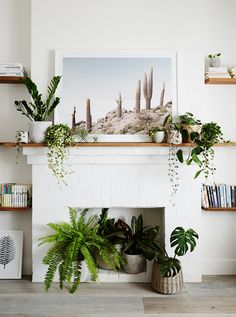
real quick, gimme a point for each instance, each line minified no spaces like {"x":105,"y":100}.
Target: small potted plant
{"x":39,"y":110}
{"x":138,"y":244}
{"x":214,"y":59}
{"x":157,"y":134}
{"x":189,"y":126}
{"x":73,"y":243}
{"x":167,"y":277}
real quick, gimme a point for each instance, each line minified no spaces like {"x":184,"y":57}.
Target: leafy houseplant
{"x":138,"y":244}
{"x":167,"y":274}
{"x":202,"y":153}
{"x":73,"y":242}
{"x":214,"y":59}
{"x":39,"y":110}
{"x":58,"y":138}
{"x":189,"y":126}
{"x":157,"y":134}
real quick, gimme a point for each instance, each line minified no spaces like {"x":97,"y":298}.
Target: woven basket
{"x":166,"y":285}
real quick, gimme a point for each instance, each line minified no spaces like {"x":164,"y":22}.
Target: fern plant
{"x":37,"y":109}
{"x":183,"y":241}
{"x":73,"y":242}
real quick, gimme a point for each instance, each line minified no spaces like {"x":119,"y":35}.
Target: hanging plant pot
{"x":37,"y":130}
{"x":166,"y":285}
{"x":135,"y":263}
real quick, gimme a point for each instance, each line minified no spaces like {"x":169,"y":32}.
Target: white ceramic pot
{"x":159,"y":136}
{"x":135,"y":263}
{"x":174,"y":137}
{"x":215,"y":62}
{"x":37,"y":130}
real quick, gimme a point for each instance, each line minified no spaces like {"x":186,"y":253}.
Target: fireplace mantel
{"x":115,"y":177}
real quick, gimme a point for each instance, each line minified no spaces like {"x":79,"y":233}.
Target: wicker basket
{"x":166,"y":285}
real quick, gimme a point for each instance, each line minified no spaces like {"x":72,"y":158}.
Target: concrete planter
{"x":135,"y":263}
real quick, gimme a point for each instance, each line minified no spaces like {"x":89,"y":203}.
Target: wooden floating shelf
{"x":219,"y":208}
{"x":11,"y":80}
{"x":19,"y":209}
{"x":220,"y":81}
{"x":112,"y":144}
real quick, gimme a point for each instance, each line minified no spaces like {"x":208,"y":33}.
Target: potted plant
{"x":202,"y":153}
{"x":167,"y":277}
{"x":58,"y":138}
{"x":39,"y":110}
{"x":214,"y":59}
{"x":108,"y":228}
{"x":174,"y":135}
{"x":73,"y":243}
{"x":189,"y":126}
{"x":138,"y":244}
{"x":157,"y":134}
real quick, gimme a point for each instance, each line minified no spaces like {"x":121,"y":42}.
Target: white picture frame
{"x":63,"y":112}
{"x":11,"y":250}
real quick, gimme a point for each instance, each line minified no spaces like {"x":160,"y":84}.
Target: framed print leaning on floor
{"x":11,"y":247}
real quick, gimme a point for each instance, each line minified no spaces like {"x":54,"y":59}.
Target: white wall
{"x":192,"y":28}
{"x":14,"y":47}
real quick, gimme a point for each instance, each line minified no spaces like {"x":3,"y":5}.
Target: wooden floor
{"x":215,"y":296}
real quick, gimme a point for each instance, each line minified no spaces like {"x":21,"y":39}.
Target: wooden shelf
{"x":11,"y":80}
{"x":19,"y":209}
{"x":219,"y":209}
{"x":220,"y":81}
{"x":112,"y":144}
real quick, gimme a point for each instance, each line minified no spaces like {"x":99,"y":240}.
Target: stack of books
{"x":233,"y":72}
{"x":13,"y":195}
{"x":218,"y":196}
{"x":12,"y":70}
{"x":217,"y":72}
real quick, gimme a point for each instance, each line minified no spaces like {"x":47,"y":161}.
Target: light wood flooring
{"x":216,"y":295}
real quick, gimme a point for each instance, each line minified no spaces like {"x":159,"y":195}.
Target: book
{"x":218,"y":69}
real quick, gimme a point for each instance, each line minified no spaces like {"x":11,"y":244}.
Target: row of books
{"x":218,"y":196}
{"x":218,"y":72}
{"x":12,"y":69}
{"x":14,"y":195}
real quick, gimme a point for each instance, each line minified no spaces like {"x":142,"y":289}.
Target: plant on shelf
{"x":73,"y":243}
{"x":214,"y":59}
{"x":158,"y":133}
{"x":167,"y":274}
{"x":202,"y":152}
{"x":39,"y":110}
{"x":138,"y":244}
{"x":58,"y":138}
{"x":190,"y":127}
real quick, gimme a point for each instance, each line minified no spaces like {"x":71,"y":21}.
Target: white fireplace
{"x":128,"y":180}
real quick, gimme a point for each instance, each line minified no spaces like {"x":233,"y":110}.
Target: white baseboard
{"x":216,"y":267}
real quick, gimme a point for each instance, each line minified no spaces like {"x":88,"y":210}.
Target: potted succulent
{"x":108,"y":228}
{"x":58,"y":138}
{"x":138,"y":244}
{"x":167,"y":277}
{"x":72,"y":244}
{"x":214,"y":59}
{"x":38,"y":110}
{"x":189,"y":126}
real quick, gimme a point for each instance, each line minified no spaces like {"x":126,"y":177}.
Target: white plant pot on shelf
{"x":159,"y":136}
{"x":37,"y":130}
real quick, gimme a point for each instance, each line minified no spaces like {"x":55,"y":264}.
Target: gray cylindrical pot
{"x":135,"y":263}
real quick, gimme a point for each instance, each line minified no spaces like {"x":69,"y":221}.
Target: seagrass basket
{"x":166,"y":285}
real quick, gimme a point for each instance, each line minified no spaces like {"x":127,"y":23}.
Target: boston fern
{"x":183,"y":241}
{"x":72,"y":243}
{"x":37,"y":109}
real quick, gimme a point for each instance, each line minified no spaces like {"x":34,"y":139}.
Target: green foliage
{"x":58,"y":138}
{"x":139,"y":239}
{"x":183,"y":241}
{"x":37,"y":109}
{"x":214,"y":55}
{"x":73,"y":242}
{"x":188,"y":119}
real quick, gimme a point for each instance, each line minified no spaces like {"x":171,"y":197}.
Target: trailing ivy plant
{"x":39,"y":109}
{"x":202,"y":153}
{"x":58,"y":139}
{"x":73,"y":242}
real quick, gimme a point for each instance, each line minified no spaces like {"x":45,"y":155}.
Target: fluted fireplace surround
{"x":129,"y":180}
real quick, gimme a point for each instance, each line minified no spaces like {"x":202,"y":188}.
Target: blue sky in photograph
{"x":101,"y":80}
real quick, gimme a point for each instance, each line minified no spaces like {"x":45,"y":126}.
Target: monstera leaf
{"x":183,"y":240}
{"x":7,"y":250}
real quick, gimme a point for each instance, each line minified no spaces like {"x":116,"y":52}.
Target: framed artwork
{"x":116,"y":93}
{"x":11,"y":247}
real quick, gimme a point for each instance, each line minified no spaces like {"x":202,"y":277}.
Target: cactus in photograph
{"x":138,"y":97}
{"x":162,"y":95}
{"x":147,"y":88}
{"x":88,"y":115}
{"x":119,"y":106}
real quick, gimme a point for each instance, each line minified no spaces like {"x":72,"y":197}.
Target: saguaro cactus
{"x":119,"y":106}
{"x":88,"y":115}
{"x":74,"y":119}
{"x":138,"y":97}
{"x":147,"y":88}
{"x":162,"y":95}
